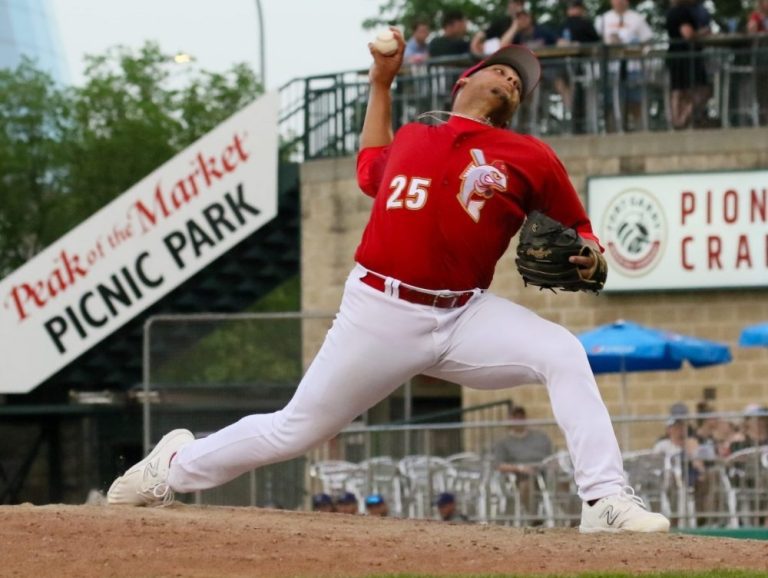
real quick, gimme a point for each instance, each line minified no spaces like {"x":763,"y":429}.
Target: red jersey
{"x":449,"y":198}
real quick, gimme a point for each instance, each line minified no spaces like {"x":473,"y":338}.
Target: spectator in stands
{"x":724,"y":435}
{"x":577,"y":29}
{"x":376,"y":505}
{"x":707,"y":430}
{"x":757,"y":23}
{"x":679,"y":443}
{"x":530,"y":34}
{"x":446,"y":507}
{"x":755,"y":429}
{"x":622,"y":25}
{"x":322,"y":503}
{"x":702,"y":16}
{"x":523,"y":447}
{"x":520,"y":453}
{"x":499,"y":33}
{"x":346,"y":503}
{"x":687,"y":75}
{"x":417,"y":49}
{"x":452,"y":41}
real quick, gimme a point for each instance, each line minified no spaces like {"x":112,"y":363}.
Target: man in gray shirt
{"x":519,"y":453}
{"x":522,"y":447}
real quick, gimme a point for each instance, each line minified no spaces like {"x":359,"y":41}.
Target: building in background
{"x":28,"y":28}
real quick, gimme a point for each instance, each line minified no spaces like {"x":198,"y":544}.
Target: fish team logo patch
{"x":479,"y":182}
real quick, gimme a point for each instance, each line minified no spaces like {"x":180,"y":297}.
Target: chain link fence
{"x":204,"y":372}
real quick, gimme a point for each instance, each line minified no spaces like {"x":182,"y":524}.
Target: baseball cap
{"x":576,"y":3}
{"x":525,"y":63}
{"x":444,"y":499}
{"x":374,"y":500}
{"x":755,"y":409}
{"x":319,"y":500}
{"x":346,"y":498}
{"x":677,"y":412}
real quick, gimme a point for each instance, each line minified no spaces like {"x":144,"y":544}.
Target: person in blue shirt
{"x":417,"y":48}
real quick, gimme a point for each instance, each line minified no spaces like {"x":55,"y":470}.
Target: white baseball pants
{"x":377,"y":342}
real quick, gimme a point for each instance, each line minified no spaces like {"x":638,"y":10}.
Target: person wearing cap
{"x":755,"y":428}
{"x":322,"y":503}
{"x":446,"y":508}
{"x":376,"y":505}
{"x":346,"y":503}
{"x":677,"y":439}
{"x":684,"y":453}
{"x":447,"y":199}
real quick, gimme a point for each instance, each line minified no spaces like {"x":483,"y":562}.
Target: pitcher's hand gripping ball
{"x":543,"y":256}
{"x":385,"y":43}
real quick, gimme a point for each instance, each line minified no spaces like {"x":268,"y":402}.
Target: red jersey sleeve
{"x":558,"y":199}
{"x":370,"y":168}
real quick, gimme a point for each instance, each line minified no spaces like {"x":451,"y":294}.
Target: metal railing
{"x":586,"y":89}
{"x":707,"y":489}
{"x":206,"y":371}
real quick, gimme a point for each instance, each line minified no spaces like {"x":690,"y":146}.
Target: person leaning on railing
{"x":758,"y":24}
{"x":499,"y":33}
{"x":621,"y":26}
{"x":453,"y":39}
{"x":688,"y":77}
{"x":577,"y":29}
{"x":417,"y":49}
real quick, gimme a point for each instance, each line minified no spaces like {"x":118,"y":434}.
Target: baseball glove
{"x":543,"y":252}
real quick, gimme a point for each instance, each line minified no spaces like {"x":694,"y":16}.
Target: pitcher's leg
{"x":500,"y":344}
{"x":373,"y":347}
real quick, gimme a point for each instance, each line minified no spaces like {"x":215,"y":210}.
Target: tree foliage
{"x":31,"y":191}
{"x":67,"y":151}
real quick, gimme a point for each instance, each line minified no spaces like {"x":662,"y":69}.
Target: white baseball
{"x":385,"y":42}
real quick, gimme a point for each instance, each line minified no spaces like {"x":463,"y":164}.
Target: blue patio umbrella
{"x":754,"y":336}
{"x":623,"y":347}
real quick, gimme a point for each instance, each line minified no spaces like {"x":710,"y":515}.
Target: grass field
{"x":708,"y":574}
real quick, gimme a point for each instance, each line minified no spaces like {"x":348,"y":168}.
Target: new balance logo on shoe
{"x":152,"y":469}
{"x":609,"y":515}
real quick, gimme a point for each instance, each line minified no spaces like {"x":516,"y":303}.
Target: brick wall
{"x":334,"y":213}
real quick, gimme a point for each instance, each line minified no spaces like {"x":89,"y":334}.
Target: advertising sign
{"x":139,"y":247}
{"x":682,"y":231}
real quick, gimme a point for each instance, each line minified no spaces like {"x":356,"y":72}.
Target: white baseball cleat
{"x":145,"y":483}
{"x":624,"y":512}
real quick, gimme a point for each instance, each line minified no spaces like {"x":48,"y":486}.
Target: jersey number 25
{"x":415,"y":189}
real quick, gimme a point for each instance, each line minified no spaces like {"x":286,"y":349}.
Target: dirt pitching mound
{"x":88,"y":541}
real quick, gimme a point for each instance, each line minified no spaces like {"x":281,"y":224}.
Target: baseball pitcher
{"x":448,"y":198}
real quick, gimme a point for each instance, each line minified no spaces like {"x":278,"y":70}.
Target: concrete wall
{"x":335,"y":213}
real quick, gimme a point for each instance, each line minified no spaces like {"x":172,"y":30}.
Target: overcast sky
{"x":303,"y":37}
